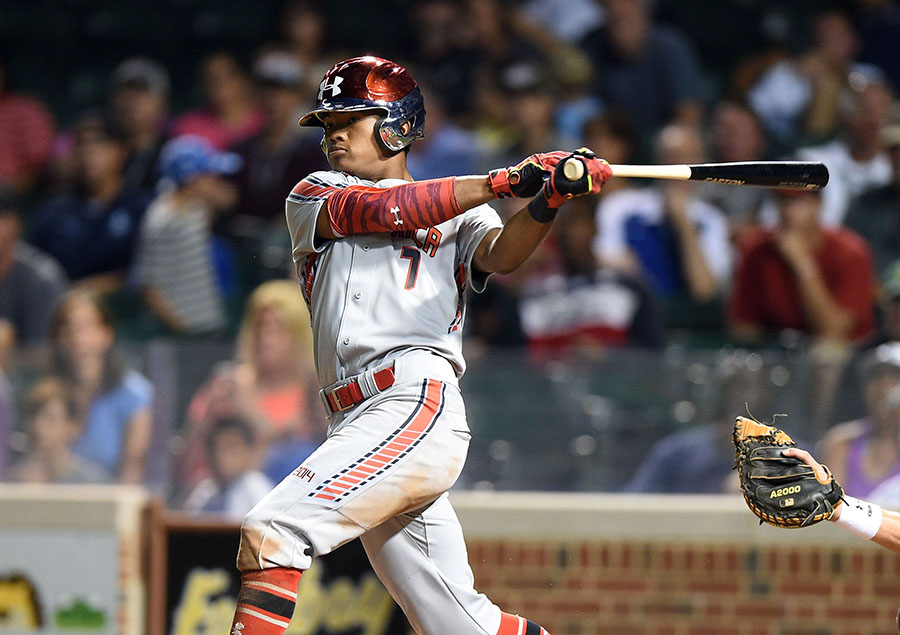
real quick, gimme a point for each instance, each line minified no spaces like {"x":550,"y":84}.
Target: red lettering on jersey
{"x":432,"y":241}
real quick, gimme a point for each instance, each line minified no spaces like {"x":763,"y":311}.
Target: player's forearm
{"x":415,"y":205}
{"x":503,"y":252}
{"x":472,"y":191}
{"x":888,"y":535}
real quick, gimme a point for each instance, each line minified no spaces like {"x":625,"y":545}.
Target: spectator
{"x":26,"y":136}
{"x":270,"y":384}
{"x":446,"y":54}
{"x":304,"y":31}
{"x":664,"y":233}
{"x":114,"y":402}
{"x":92,"y":230}
{"x":700,"y":459}
{"x":849,"y":402}
{"x":175,"y":268}
{"x":7,"y":419}
{"x":879,"y":23}
{"x":447,"y":148}
{"x":139,"y":98}
{"x":231,"y":114}
{"x":865,"y":452}
{"x":235,"y":484}
{"x":52,"y":421}
{"x":275,"y":159}
{"x":737,"y":135}
{"x":7,"y":343}
{"x":873,"y":215}
{"x":616,"y":133}
{"x":575,"y":104}
{"x":803,"y":276}
{"x":649,"y":70}
{"x":530,"y":93}
{"x":569,"y":20}
{"x":799,"y":97}
{"x":585,"y":307}
{"x":856,"y":160}
{"x":828,"y":65}
{"x":30,"y":281}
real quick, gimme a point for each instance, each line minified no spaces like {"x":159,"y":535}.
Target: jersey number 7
{"x":415,"y":257}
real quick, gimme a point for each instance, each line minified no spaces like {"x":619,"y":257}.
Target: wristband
{"x":860,"y":517}
{"x":539,"y":209}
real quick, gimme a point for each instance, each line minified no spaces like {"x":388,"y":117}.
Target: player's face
{"x":350,"y":142}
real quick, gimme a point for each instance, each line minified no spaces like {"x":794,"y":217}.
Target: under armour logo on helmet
{"x":334,"y":87}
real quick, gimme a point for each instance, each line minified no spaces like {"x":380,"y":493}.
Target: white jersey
{"x":374,"y":297}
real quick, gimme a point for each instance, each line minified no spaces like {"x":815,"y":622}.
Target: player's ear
{"x":405,"y":128}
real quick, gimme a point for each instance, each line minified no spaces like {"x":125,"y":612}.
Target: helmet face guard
{"x":373,"y":83}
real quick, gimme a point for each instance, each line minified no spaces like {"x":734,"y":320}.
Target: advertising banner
{"x":339,"y":595}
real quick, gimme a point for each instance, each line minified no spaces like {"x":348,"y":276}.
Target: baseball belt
{"x":348,"y":393}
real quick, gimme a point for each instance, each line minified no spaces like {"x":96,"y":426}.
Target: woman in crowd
{"x":114,"y":402}
{"x":268,"y":384}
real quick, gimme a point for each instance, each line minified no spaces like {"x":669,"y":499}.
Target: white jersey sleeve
{"x":302,"y":209}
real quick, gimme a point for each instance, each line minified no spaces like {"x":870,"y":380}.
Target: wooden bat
{"x":794,"y":175}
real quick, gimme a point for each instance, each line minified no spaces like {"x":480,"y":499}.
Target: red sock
{"x":266,"y":602}
{"x":515,"y":625}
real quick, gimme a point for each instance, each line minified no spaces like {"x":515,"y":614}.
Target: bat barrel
{"x":798,"y":175}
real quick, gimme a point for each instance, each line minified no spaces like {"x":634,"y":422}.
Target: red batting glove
{"x":525,"y":179}
{"x":558,"y":189}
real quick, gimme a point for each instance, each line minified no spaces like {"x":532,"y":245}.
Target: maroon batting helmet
{"x":373,"y":83}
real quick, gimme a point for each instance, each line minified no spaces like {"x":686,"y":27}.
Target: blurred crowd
{"x":145,"y":217}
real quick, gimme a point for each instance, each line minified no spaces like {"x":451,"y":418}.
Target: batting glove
{"x":524,"y":179}
{"x":558,"y":188}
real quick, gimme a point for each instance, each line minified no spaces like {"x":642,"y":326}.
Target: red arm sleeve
{"x":359,"y":209}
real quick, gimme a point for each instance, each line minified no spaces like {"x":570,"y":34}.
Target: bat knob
{"x":573,"y":169}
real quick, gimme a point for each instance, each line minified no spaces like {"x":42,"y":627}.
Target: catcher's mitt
{"x":782,"y":491}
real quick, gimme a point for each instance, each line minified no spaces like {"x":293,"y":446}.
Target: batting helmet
{"x":373,"y":83}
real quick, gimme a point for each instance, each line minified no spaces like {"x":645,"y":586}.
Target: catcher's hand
{"x":781,"y":490}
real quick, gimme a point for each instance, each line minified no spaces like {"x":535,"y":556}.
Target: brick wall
{"x":683,"y":586}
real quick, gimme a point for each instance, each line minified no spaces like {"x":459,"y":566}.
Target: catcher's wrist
{"x":860,"y":517}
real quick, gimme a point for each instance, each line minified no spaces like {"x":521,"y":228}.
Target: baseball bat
{"x":794,"y":175}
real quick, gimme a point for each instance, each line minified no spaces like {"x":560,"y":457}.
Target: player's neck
{"x":393,"y":168}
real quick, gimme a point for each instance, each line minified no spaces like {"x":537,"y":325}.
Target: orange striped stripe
{"x":428,"y":409}
{"x":418,"y":425}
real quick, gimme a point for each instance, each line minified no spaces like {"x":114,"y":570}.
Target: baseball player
{"x":384,"y":262}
